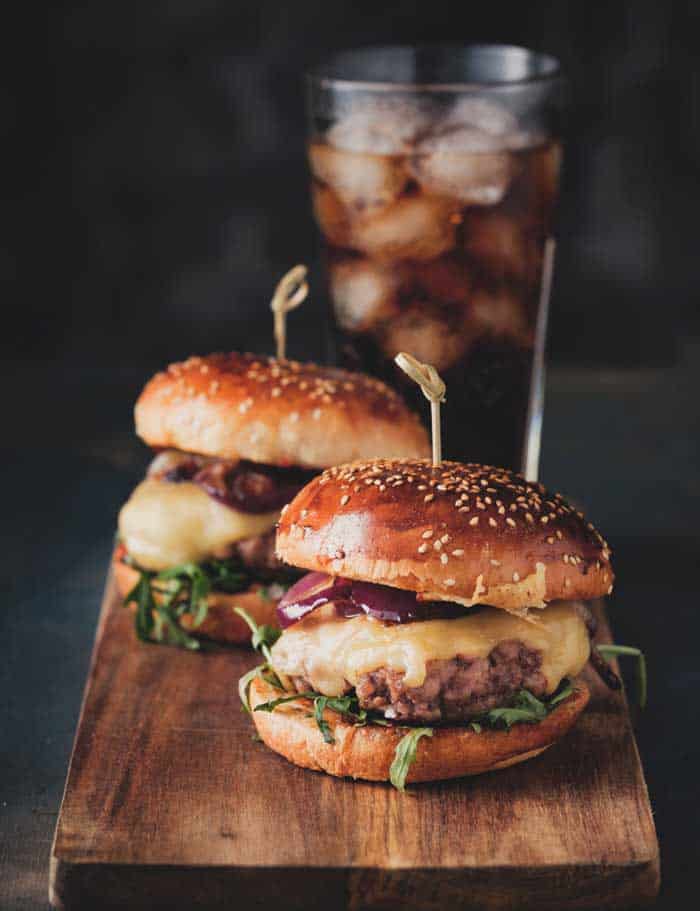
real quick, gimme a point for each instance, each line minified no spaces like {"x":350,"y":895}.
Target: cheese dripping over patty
{"x":164,"y":524}
{"x":330,"y":651}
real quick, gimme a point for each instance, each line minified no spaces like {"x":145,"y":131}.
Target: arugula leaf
{"x":163,"y":598}
{"x":320,"y":703}
{"x":525,"y":709}
{"x":273,"y":703}
{"x":405,"y":756}
{"x":142,"y":596}
{"x":608,"y":651}
{"x":244,"y":685}
{"x":476,"y":727}
{"x":560,"y":696}
{"x":263,"y":636}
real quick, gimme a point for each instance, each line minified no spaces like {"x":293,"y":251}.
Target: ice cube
{"x":497,"y":242}
{"x":432,"y":338}
{"x":500,"y":314}
{"x":331,"y":215}
{"x":387,"y":126}
{"x":483,"y":115}
{"x":469,"y":165}
{"x":364,"y":182}
{"x":415,"y":227}
{"x":363,"y":293}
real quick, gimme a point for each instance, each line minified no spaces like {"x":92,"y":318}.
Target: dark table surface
{"x":620,"y":443}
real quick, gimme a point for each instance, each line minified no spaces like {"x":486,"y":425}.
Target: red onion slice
{"x":393,"y":605}
{"x":310,"y":592}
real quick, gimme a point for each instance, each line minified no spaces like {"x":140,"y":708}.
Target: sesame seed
{"x":344,"y":499}
{"x":516,"y":577}
{"x":559,"y":534}
{"x":443,"y":559}
{"x":474,"y":521}
{"x":510,"y":522}
{"x":276,"y":392}
{"x":428,"y":533}
{"x":550,"y":540}
{"x":428,"y":497}
{"x":544,"y":519}
{"x":437,"y":544}
{"x":445,"y":539}
{"x":422,"y":548}
{"x":449,"y":582}
{"x":528,"y":517}
{"x":492,"y":522}
{"x":316,"y":414}
{"x":458,"y":552}
{"x":495,"y":562}
{"x":565,"y":558}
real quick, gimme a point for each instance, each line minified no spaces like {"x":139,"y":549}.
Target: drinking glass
{"x":434,"y":177}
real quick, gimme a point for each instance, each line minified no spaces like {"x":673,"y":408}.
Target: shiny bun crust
{"x":275,"y":412}
{"x":467,"y":533}
{"x":367,"y":752}
{"x":221,"y":623}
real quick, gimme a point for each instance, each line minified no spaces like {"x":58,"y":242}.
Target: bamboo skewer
{"x":433,"y":389}
{"x":292,"y":289}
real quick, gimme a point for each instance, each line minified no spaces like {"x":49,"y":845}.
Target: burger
{"x":442,"y":625}
{"x":237,"y":436}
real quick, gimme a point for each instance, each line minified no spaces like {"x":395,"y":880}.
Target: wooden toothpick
{"x":291,"y":290}
{"x":433,"y":388}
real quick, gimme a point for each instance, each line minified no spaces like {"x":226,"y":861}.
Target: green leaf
{"x":509,"y":716}
{"x":263,"y":636}
{"x":560,"y":696}
{"x":273,"y":703}
{"x":527,"y":701}
{"x":244,"y":685}
{"x":142,"y":596}
{"x":320,"y":703}
{"x":609,"y":651}
{"x":405,"y":756}
{"x":476,"y":727}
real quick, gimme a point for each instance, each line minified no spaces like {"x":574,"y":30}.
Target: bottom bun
{"x":367,"y":752}
{"x":221,"y":623}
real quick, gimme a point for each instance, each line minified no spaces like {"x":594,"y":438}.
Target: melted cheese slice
{"x":331,"y":652}
{"x":164,"y":524}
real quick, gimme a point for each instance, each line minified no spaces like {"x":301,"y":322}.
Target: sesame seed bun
{"x":467,"y":533}
{"x":241,"y":406}
{"x":221,"y":623}
{"x":367,"y":752}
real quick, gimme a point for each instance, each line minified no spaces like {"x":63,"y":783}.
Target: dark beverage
{"x":435,"y":208}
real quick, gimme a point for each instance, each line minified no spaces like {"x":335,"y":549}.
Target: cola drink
{"x":434,"y":215}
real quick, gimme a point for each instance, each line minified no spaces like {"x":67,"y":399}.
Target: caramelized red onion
{"x":245,"y":486}
{"x":351,"y":599}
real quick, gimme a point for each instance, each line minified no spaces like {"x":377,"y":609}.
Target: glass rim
{"x":319,"y":75}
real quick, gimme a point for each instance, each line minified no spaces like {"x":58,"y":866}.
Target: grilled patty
{"x":454,"y":690}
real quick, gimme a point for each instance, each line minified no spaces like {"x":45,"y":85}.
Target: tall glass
{"x":434,"y":175}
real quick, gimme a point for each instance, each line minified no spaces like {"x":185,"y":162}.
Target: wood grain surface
{"x":169,"y":803}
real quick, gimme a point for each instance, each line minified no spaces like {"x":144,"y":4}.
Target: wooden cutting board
{"x":170,"y":804}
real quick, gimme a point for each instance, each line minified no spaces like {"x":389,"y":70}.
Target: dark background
{"x":155,"y":191}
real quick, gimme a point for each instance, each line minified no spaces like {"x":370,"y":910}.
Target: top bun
{"x":467,"y":533}
{"x":242,"y":406}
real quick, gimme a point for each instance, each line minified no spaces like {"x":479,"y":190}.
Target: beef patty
{"x":453,"y":690}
